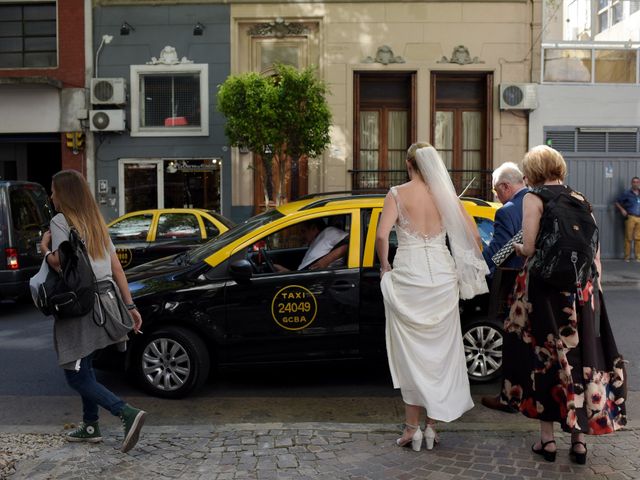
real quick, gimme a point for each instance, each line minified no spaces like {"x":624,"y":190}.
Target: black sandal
{"x":548,"y":456}
{"x":576,"y":457}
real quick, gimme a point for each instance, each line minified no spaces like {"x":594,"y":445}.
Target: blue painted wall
{"x":157,"y":26}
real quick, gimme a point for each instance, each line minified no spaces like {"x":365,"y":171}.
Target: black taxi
{"x":242,"y":299}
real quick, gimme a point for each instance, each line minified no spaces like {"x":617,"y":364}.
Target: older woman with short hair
{"x":565,"y":372}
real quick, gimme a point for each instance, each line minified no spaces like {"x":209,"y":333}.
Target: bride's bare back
{"x":418,"y":208}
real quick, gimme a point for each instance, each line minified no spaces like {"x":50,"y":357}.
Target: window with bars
{"x":169,"y":100}
{"x":28,"y":35}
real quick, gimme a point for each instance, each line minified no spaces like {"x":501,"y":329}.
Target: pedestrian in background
{"x":509,"y":187}
{"x":76,"y":339}
{"x":422,"y":290}
{"x":628,"y":203}
{"x":568,"y":366}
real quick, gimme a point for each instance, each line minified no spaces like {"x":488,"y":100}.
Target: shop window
{"x":28,"y":35}
{"x":170,"y":183}
{"x":169,"y":100}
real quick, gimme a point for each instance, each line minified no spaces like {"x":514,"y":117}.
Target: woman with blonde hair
{"x":76,"y":339}
{"x":566,"y":366}
{"x":422,"y":290}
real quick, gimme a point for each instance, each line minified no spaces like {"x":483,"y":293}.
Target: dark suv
{"x":25,"y":213}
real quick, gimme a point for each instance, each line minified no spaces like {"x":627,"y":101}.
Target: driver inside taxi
{"x":327,"y":246}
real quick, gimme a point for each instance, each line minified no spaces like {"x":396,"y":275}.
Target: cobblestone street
{"x":328,"y":451}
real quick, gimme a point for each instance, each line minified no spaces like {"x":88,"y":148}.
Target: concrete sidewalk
{"x":483,"y":444}
{"x":620,"y":273}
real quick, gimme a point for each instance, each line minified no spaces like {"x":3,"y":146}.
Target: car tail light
{"x":12,"y":258}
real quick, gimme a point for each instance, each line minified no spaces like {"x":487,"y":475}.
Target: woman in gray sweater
{"x":76,"y":339}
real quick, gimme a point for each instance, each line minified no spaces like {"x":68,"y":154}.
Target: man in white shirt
{"x":327,"y":246}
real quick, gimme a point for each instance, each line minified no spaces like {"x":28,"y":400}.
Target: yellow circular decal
{"x":294,"y":307}
{"x":125,"y":256}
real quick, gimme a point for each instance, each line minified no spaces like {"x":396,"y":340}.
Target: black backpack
{"x":567,"y":241}
{"x":72,"y":291}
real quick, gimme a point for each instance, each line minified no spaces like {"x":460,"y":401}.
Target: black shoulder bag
{"x":70,"y":292}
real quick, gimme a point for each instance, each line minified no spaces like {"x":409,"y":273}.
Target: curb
{"x":200,"y":430}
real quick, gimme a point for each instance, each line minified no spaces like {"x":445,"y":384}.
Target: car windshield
{"x":203,"y":251}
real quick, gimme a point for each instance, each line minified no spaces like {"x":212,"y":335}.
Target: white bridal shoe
{"x":430,"y":437}
{"x":415,"y":441}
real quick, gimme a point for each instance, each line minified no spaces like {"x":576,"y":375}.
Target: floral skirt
{"x":561,"y":363}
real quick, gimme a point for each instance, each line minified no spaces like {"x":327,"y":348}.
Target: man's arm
{"x":501,"y":235}
{"x":621,"y":209}
{"x":329,"y":258}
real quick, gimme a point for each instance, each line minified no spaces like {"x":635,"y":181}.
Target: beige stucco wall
{"x":499,"y":34}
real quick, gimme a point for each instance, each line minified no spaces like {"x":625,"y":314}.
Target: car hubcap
{"x":166,"y":364}
{"x":483,"y":351}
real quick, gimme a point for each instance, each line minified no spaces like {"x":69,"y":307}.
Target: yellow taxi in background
{"x":146,"y":235}
{"x":242,"y":299}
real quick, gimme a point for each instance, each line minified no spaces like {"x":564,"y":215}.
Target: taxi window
{"x":305,"y":245}
{"x":131,"y":228}
{"x":177,"y":226}
{"x":293,"y":235}
{"x":210,"y":229}
{"x":223,"y":220}
{"x":485,"y":228}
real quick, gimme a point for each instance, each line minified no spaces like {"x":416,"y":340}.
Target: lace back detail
{"x":404,"y":221}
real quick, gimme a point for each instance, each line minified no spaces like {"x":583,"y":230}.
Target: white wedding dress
{"x":424,"y":340}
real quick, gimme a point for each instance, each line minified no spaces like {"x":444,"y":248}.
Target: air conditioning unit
{"x":518,"y":96}
{"x":106,"y":120}
{"x":108,"y":91}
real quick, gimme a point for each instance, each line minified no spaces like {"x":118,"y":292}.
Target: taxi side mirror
{"x":241,"y":270}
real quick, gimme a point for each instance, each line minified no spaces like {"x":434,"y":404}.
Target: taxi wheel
{"x":483,"y":341}
{"x":171,"y":363}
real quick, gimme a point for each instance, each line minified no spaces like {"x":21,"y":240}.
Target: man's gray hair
{"x":508,"y":172}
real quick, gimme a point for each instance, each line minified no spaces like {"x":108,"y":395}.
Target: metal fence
{"x":476,"y":182}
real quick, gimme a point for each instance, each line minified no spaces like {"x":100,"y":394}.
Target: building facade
{"x":42,"y":88}
{"x":397,"y":72}
{"x":159,"y":140}
{"x":589,"y":102}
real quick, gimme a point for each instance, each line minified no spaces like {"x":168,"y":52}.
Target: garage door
{"x":601,"y":162}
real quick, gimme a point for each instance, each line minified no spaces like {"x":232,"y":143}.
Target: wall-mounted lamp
{"x":106,"y":40}
{"x":198,"y":29}
{"x":125,"y":28}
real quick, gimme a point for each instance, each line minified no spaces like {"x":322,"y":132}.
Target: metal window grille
{"x":602,"y":141}
{"x":28,"y":35}
{"x":170,"y":100}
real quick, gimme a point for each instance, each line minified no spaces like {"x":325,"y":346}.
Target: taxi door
{"x":298,"y":315}
{"x":372,"y":323}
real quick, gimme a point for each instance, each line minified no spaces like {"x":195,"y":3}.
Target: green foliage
{"x":285,"y":114}
{"x":249,"y":102}
{"x":304,"y":115}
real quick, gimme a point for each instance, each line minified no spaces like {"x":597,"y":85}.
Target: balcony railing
{"x":476,"y":182}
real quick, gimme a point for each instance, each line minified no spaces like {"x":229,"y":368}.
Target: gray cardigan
{"x":108,"y":323}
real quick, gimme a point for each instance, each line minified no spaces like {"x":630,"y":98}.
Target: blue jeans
{"x":93,"y":393}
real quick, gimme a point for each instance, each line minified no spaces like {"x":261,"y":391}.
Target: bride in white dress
{"x":422,"y":290}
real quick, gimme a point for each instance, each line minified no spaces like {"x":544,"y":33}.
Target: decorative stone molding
{"x":461,"y":56}
{"x":279,"y":28}
{"x":169,"y":56}
{"x":385,"y":56}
